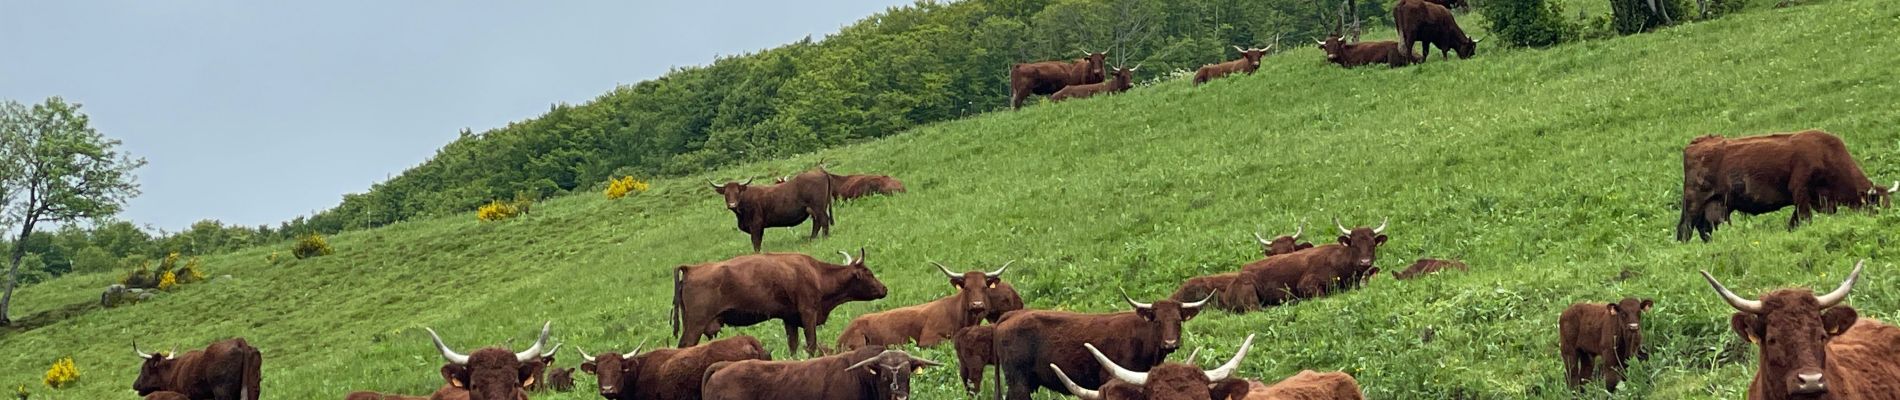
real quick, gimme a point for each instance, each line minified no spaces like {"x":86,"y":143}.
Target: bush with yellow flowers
{"x":141,"y":276}
{"x":618,"y":188}
{"x":311,"y":246}
{"x":496,"y":211}
{"x":167,"y":281}
{"x":191,"y":273}
{"x":62,"y":374}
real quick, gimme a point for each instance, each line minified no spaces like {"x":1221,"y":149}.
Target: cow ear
{"x":993,"y":281}
{"x":588,"y":367}
{"x":1615,"y":309}
{"x":1345,"y":240}
{"x":1838,"y":320}
{"x":526,"y":374}
{"x":1227,"y":389}
{"x":1378,"y":240}
{"x":1647,"y":303}
{"x":1189,"y":313}
{"x":455,"y":375}
{"x":1748,"y":326}
{"x":1146,"y":313}
{"x":956,"y":282}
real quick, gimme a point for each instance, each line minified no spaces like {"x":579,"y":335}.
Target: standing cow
{"x":1048,"y":77}
{"x":867,"y":373}
{"x":1167,"y":381}
{"x":1124,"y":80}
{"x":666,"y":374}
{"x":1816,"y":347}
{"x":1249,"y":62}
{"x":807,"y":195}
{"x":492,"y":373}
{"x":1028,"y":341}
{"x":1601,"y":338}
{"x":929,"y":323}
{"x":1363,"y":53}
{"x":794,"y":288}
{"x":225,"y":370}
{"x":1423,"y":21}
{"x":1755,"y":175}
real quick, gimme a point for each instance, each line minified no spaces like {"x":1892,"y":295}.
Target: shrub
{"x":21,"y":393}
{"x":63,"y":373}
{"x":495,"y":211}
{"x":191,"y":273}
{"x":273,"y":257}
{"x":1634,"y":16}
{"x":141,"y":276}
{"x":1528,"y":22}
{"x":523,"y":201}
{"x":618,"y":188}
{"x":311,"y":246}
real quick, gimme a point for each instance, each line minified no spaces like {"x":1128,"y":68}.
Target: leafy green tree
{"x":57,"y":168}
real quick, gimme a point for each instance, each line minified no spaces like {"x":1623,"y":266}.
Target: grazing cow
{"x":1601,"y":337}
{"x":1308,"y":385}
{"x":794,"y":288}
{"x":1202,"y":286}
{"x":1816,"y":347}
{"x":1048,"y":77}
{"x":1166,"y":381}
{"x":866,"y":373}
{"x":1124,"y":79}
{"x":1308,"y":273}
{"x":1248,"y":62}
{"x":1761,"y":174}
{"x":492,"y":373}
{"x":225,"y":370}
{"x":1428,"y":266}
{"x":1028,"y":341}
{"x":807,"y":195}
{"x":666,"y":374}
{"x":1356,"y":54}
{"x":166,"y":396}
{"x":1421,"y":21}
{"x":929,"y":323}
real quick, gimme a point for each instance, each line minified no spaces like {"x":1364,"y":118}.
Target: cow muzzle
{"x":1365,"y":263}
{"x":732,"y":206}
{"x":1807,"y":382}
{"x":1171,"y":344}
{"x":609,"y":391}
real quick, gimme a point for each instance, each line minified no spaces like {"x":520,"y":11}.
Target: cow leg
{"x":758,"y":235}
{"x":1571,"y":375}
{"x":1586,"y":367}
{"x":811,"y":334}
{"x":1019,"y":384}
{"x":1612,"y":372}
{"x":791,"y":337}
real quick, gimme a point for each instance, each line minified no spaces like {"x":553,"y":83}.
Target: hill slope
{"x":1554,"y":173}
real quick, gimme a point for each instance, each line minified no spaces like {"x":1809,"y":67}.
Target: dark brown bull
{"x":666,"y":374}
{"x":1761,"y":174}
{"x":1428,"y":266}
{"x":1308,"y":385}
{"x":1420,"y":21}
{"x":745,"y":290}
{"x":1308,"y":273}
{"x":1124,"y":80}
{"x":1248,"y":62}
{"x":1601,"y":338}
{"x":1202,"y":286}
{"x":866,"y":373}
{"x":1356,"y":54}
{"x":930,"y":323}
{"x":1028,"y":341}
{"x":492,"y":373}
{"x":225,"y":370}
{"x":1816,"y":347}
{"x":1048,"y":77}
{"x":1167,"y":381}
{"x":807,"y":195}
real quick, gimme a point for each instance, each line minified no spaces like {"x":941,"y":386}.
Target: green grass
{"x":1554,"y":173}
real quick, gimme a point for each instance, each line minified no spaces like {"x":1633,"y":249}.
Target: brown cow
{"x":1248,"y":62}
{"x":855,"y":186}
{"x":1026,"y":341}
{"x":1202,"y":286}
{"x":1428,"y":266}
{"x":1167,"y":381}
{"x":451,"y":389}
{"x":1003,"y":299}
{"x":1816,"y":347}
{"x":541,"y":365}
{"x":1308,"y":273}
{"x":225,"y":370}
{"x":807,"y":195}
{"x":930,"y":323}
{"x":1452,"y":4}
{"x":667,"y":374}
{"x":866,"y":373}
{"x":166,"y":396}
{"x":1755,"y":175}
{"x":1422,"y":21}
{"x":1356,"y":54}
{"x":561,"y":379}
{"x":745,"y":290}
{"x":1308,"y":385}
{"x":1048,"y":77}
{"x":492,"y":373}
{"x":1597,"y":337}
{"x":1124,"y":80}
{"x":368,"y":395}
{"x":975,"y":349}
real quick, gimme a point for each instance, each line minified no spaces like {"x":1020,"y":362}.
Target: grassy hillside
{"x":1554,"y":173}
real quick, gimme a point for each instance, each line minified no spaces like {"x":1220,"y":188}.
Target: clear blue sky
{"x":254,"y":112}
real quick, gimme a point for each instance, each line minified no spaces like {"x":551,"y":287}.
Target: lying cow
{"x":1027,"y":341}
{"x":1816,"y":346}
{"x":1363,"y":53}
{"x":1761,"y":174}
{"x":1203,"y":286}
{"x":1601,"y":338}
{"x":666,"y":374}
{"x":1048,"y":77}
{"x":930,"y":323}
{"x":1249,"y":62}
{"x":866,"y":373}
{"x":492,"y":373}
{"x":745,"y":290}
{"x":1167,"y":381}
{"x":807,"y":195}
{"x":1124,"y":80}
{"x":451,"y":389}
{"x":1428,"y":266}
{"x":1308,"y":385}
{"x":225,"y":370}
{"x":1308,"y":273}
{"x":1421,"y":21}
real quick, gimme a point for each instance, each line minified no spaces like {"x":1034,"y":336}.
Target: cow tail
{"x":679,"y":279}
{"x":831,"y":196}
{"x":996,"y":355}
{"x":253,"y":375}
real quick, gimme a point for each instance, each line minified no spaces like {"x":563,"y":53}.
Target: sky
{"x":255,"y":112}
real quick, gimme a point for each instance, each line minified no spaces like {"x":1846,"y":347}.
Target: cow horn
{"x":748,"y":181}
{"x":1896,"y":187}
{"x":135,"y":349}
{"x":1381,"y":228}
{"x":1840,"y":294}
{"x":1132,"y":302}
{"x":1269,"y":47}
{"x":1198,"y":304}
{"x":715,"y":185}
{"x":636,"y":350}
{"x":172,"y":354}
{"x":1740,"y":304}
{"x":1233,"y":364}
{"x":847,"y":257}
{"x":550,"y":352}
{"x":999,"y":271}
{"x":1078,"y":391}
{"x":1342,"y":228}
{"x":584,"y":356}
{"x":1194,"y":355}
{"x":1137,"y":378}
{"x":535,"y":350}
{"x":447,"y":354}
{"x":868,"y":361}
{"x":1237,"y":48}
{"x":940,"y":267}
{"x":1320,"y":42}
{"x":1263,"y":239}
{"x":1299,"y":229}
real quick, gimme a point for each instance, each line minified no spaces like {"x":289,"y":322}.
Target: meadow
{"x":1555,"y":173}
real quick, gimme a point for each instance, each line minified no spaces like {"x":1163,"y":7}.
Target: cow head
{"x":1252,"y":55}
{"x":611,"y":369}
{"x":1097,"y":63}
{"x":493,"y":373}
{"x":1466,"y":47}
{"x":1168,"y":381}
{"x":1792,"y":328}
{"x":863,"y":285}
{"x":1283,"y":244}
{"x":973,"y":289}
{"x":973,"y":353}
{"x":1629,"y":317}
{"x":1124,"y":78}
{"x":1363,"y":243}
{"x":1882,"y":197}
{"x":154,"y":373}
{"x":1334,"y":46}
{"x":891,"y":370}
{"x":731,"y":191}
{"x":1165,"y":317}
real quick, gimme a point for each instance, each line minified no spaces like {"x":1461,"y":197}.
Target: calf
{"x":1815,"y":346}
{"x":1308,"y":385}
{"x":1167,"y":381}
{"x":667,"y":374}
{"x":807,"y":195}
{"x":866,"y":373}
{"x":1427,"y":266}
{"x":225,"y":370}
{"x":1124,"y":79}
{"x":1809,"y":170}
{"x":928,"y":323}
{"x":1048,"y":77}
{"x":1363,"y":53}
{"x":794,"y":288}
{"x":561,"y":379}
{"x":1248,"y":62}
{"x":541,"y":364}
{"x":1003,"y":299}
{"x":1601,"y":337}
{"x":1432,"y":24}
{"x":1026,"y":341}
{"x":976,"y":348}
{"x":492,"y":373}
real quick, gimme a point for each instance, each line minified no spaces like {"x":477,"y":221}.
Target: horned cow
{"x":870,"y":372}
{"x":1309,"y":273}
{"x":1755,"y":175}
{"x":666,"y":374}
{"x":225,"y":370}
{"x":807,"y":195}
{"x":929,"y":323}
{"x":1167,"y":381}
{"x":1202,"y":286}
{"x":492,"y":373}
{"x":1249,"y":62}
{"x":1815,"y":346}
{"x":1048,"y":77}
{"x":1422,"y":21}
{"x":1027,"y":341}
{"x":1363,"y":53}
{"x":794,"y":288}
{"x":1124,"y":80}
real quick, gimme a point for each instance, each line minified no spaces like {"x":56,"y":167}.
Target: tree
{"x":55,"y":168}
